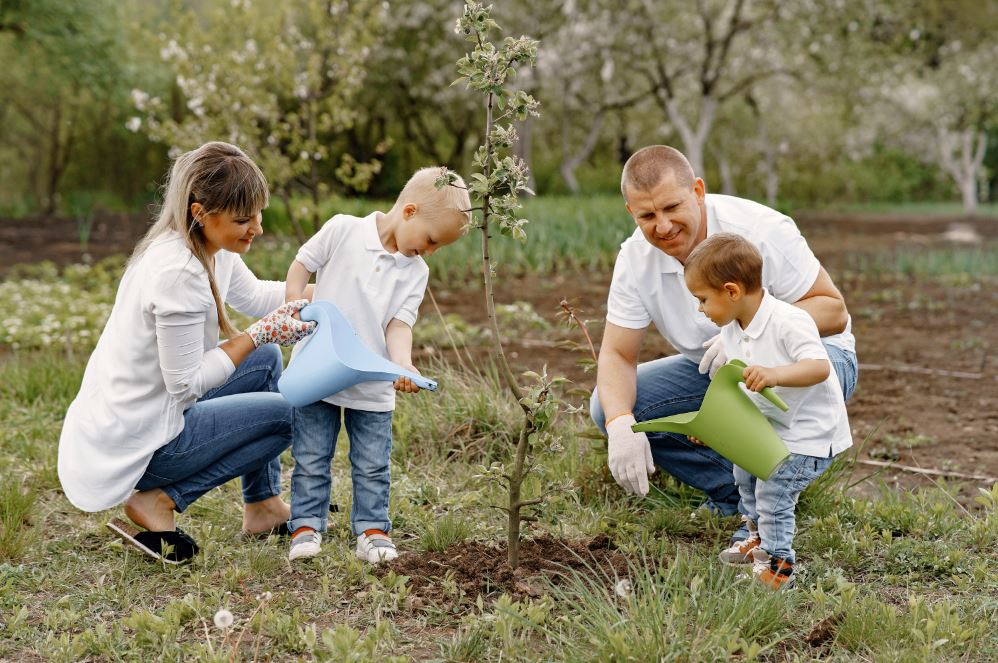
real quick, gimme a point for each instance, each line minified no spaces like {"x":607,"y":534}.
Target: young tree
{"x":495,"y":189}
{"x":278,"y":79}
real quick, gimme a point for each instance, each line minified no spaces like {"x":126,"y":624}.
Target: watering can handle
{"x":767,"y":393}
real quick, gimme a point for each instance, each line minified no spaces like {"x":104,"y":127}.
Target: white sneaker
{"x":375,"y":546}
{"x":305,"y":544}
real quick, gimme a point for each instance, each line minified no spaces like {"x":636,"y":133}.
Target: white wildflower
{"x":223,"y":618}
{"x":133,"y":124}
{"x":623,"y":588}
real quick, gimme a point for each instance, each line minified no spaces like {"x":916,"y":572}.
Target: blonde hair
{"x":434,"y":203}
{"x":221,"y":178}
{"x":646,"y":168}
{"x":726,"y":258}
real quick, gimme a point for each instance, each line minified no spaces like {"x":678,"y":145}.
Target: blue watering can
{"x":335,"y":358}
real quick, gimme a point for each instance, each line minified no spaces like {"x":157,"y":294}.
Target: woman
{"x":164,"y":408}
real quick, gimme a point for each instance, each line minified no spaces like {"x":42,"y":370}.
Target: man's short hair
{"x":646,"y":168}
{"x":726,"y":258}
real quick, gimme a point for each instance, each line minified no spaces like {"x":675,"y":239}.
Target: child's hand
{"x":758,"y":378}
{"x":695,"y":441}
{"x":405,"y":384}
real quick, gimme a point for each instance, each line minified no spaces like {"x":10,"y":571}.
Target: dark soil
{"x":481,"y":569}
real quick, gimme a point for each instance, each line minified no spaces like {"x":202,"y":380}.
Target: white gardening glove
{"x":629,"y":455}
{"x":714,"y":358}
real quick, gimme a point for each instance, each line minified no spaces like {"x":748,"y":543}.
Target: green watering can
{"x":730,"y":424}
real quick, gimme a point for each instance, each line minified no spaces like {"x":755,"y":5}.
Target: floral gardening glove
{"x":279,"y":327}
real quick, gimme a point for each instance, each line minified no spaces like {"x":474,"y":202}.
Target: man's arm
{"x":616,"y":372}
{"x":825,"y":304}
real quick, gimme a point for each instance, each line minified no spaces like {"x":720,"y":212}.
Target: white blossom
{"x":133,"y":124}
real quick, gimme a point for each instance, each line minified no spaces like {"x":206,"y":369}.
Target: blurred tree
{"x":281,"y":81}
{"x":408,"y":94}
{"x":62,"y":61}
{"x":926,"y":73}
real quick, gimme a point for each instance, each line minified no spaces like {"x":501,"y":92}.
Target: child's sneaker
{"x":740,"y":552}
{"x":305,"y":543}
{"x":375,"y":546}
{"x":775,"y":573}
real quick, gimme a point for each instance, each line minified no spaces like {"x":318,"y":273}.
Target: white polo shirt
{"x":648,"y":286}
{"x":816,"y":423}
{"x":370,"y":286}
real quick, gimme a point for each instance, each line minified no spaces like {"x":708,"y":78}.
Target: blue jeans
{"x":316,"y":428}
{"x":238,"y":429}
{"x":770,"y":504}
{"x":673,"y":385}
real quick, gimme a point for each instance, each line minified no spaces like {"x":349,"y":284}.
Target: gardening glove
{"x":629,"y":455}
{"x":280,"y":327}
{"x":714,"y":358}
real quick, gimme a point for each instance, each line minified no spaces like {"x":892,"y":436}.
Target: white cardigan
{"x":157,"y":355}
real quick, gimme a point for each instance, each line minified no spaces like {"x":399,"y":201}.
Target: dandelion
{"x":223,"y":619}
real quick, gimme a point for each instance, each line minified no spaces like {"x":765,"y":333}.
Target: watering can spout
{"x":334,"y":358}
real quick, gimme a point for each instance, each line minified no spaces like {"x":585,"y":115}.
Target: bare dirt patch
{"x":475,"y":568}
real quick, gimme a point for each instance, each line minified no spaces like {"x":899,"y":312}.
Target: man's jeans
{"x":770,"y":504}
{"x":316,"y":428}
{"x":238,"y":429}
{"x":673,"y":385}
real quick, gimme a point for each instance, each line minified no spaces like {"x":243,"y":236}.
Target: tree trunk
{"x":962,"y":156}
{"x":727,"y":178}
{"x":694,"y":138}
{"x":572,"y":161}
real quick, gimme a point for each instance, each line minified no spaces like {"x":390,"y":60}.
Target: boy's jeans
{"x":771,"y":503}
{"x":316,"y":428}
{"x":237,"y":429}
{"x":672,"y":385}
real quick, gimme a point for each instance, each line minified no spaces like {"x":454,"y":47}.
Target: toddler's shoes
{"x":374,"y":546}
{"x":305,"y":543}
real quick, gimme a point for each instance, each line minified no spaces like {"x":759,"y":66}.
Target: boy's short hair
{"x":435,"y":203}
{"x":726,"y":258}
{"x":646,"y":168}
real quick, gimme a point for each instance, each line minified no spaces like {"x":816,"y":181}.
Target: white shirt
{"x":157,"y":355}
{"x":648,"y":286}
{"x":370,"y":286}
{"x":780,"y":334}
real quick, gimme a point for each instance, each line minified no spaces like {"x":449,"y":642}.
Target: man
{"x":674,"y":214}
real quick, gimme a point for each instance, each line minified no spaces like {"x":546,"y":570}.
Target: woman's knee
{"x":596,"y":411}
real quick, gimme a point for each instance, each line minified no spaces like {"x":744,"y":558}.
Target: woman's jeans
{"x":238,"y":429}
{"x":771,"y":503}
{"x":673,"y":385}
{"x":316,"y":428}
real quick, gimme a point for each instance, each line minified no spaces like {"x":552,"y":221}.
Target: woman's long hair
{"x":221,"y":178}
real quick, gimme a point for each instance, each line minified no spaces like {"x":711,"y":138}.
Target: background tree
{"x":284,"y":88}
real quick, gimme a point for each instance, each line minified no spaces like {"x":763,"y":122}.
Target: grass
{"x":910,"y":574}
{"x":942,"y":209}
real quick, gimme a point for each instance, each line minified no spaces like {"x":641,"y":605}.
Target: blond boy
{"x":372,"y":269}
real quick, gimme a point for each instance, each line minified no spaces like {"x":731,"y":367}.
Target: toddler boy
{"x":781,"y":345}
{"x":372,"y":269}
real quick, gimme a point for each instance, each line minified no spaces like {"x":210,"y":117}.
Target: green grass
{"x":941,"y":209}
{"x":908,"y":574}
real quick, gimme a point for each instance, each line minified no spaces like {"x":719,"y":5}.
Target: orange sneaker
{"x":740,"y":552}
{"x":779,"y":575}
